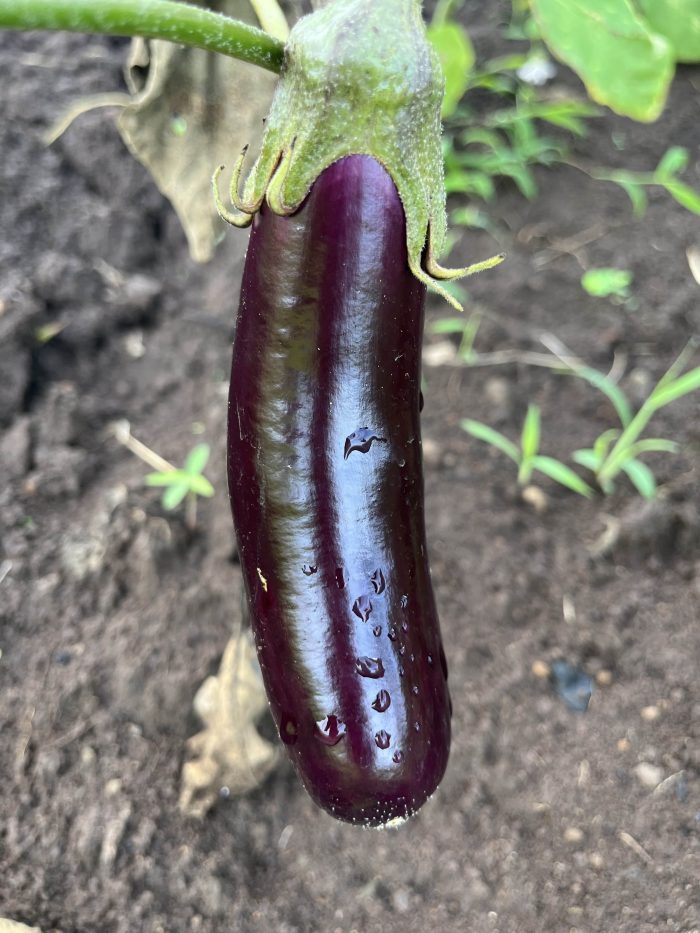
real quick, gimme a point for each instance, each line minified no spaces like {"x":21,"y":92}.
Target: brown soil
{"x":111,"y":613}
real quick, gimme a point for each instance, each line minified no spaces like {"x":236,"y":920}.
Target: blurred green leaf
{"x":530,"y":440}
{"x":167,"y":478}
{"x":562,"y":474}
{"x":677,"y":389}
{"x":484,"y":433}
{"x":587,"y":458}
{"x":601,"y":382}
{"x":449,"y":325}
{"x":622,"y":62}
{"x":637,"y":196}
{"x":679,"y":22}
{"x":456,"y":53}
{"x":173,"y":496}
{"x":197,"y":458}
{"x":641,"y":477}
{"x":201,"y":486}
{"x":684,"y":194}
{"x":674,"y":160}
{"x":604,"y":282}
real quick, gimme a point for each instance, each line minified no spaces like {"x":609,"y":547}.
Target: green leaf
{"x":484,"y":433}
{"x":482,"y":136}
{"x":562,"y":474}
{"x":459,"y":182}
{"x":653,"y":445}
{"x":604,"y":282}
{"x":200,"y":485}
{"x":641,"y":477}
{"x":676,"y":389}
{"x":197,"y":458}
{"x":623,"y":63}
{"x":530,"y":440}
{"x":449,"y":325}
{"x":456,"y":53}
{"x":679,"y":22}
{"x":684,"y":194}
{"x":601,"y":382}
{"x":675,"y":160}
{"x":602,"y":443}
{"x":167,"y":478}
{"x":637,"y":196}
{"x":587,"y":458}
{"x":173,"y":496}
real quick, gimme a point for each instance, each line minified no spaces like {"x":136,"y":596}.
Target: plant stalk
{"x":152,"y":19}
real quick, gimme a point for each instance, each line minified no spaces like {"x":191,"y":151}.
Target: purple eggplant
{"x":326,"y":487}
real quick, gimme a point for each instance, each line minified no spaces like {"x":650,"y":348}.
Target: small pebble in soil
{"x":573,"y":685}
{"x":573,"y":834}
{"x":541,"y":669}
{"x":648,"y":775}
{"x":536,"y":498}
{"x":650,"y":713}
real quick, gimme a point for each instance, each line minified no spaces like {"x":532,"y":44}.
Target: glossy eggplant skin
{"x":326,"y":488}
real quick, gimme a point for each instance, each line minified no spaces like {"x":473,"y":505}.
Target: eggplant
{"x":326,"y":489}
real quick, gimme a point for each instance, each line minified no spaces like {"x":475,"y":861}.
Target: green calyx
{"x":359,"y":78}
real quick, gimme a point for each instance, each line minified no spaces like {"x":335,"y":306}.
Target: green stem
{"x":152,"y":19}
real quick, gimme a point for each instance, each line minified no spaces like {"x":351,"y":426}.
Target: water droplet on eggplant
{"x":404,"y":602}
{"x":361,"y":440}
{"x":397,"y":757}
{"x":392,"y":633}
{"x":377,"y":631}
{"x":362,"y":607}
{"x":377,"y":580}
{"x":309,"y":569}
{"x":330,"y":730}
{"x":382,"y":701}
{"x":369,"y":667}
{"x":383,"y":739}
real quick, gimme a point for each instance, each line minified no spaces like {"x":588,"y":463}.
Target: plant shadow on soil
{"x":111,"y":613}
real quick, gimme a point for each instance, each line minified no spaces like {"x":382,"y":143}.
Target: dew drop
{"x":377,"y":631}
{"x":362,"y":607}
{"x":401,"y":670}
{"x":309,"y":569}
{"x":404,"y":626}
{"x":401,"y":462}
{"x":382,"y":701}
{"x":430,"y":659}
{"x":378,"y":581}
{"x":392,"y":633}
{"x":383,"y":739}
{"x":416,"y":726}
{"x":402,"y":650}
{"x":288,"y":730}
{"x":415,"y":691}
{"x":412,"y":657}
{"x":330,"y":730}
{"x":369,"y":667}
{"x":340,"y":578}
{"x":404,"y":602}
{"x":397,"y":757}
{"x":361,"y":441}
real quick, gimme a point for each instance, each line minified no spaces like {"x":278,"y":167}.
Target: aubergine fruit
{"x":326,"y":488}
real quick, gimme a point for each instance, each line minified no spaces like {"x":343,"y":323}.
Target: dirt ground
{"x":112,"y":613}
